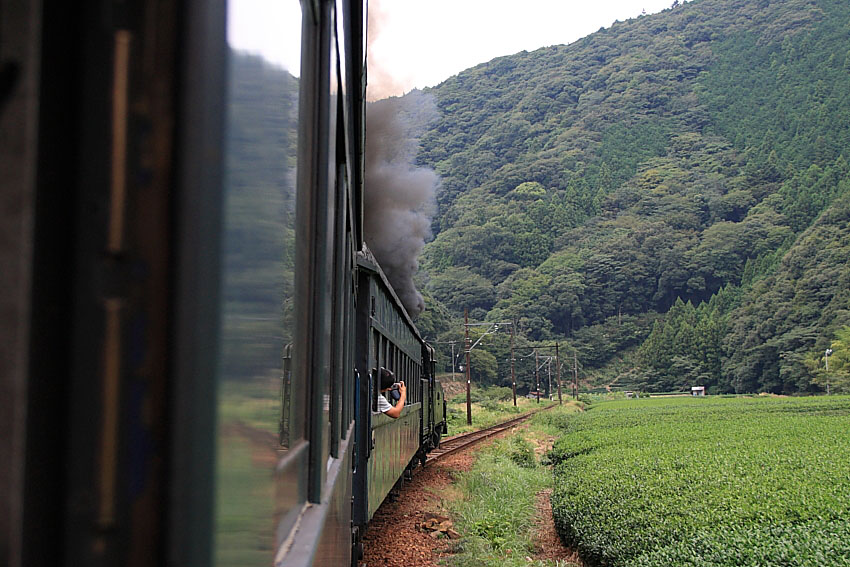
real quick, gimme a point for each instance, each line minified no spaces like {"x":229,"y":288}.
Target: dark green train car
{"x":150,"y":418}
{"x":387,"y":447}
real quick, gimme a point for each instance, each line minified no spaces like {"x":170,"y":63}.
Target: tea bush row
{"x":716,"y":481}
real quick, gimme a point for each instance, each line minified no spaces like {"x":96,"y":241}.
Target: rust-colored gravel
{"x":549,"y":545}
{"x":393,"y":538}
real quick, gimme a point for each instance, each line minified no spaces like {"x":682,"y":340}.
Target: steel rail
{"x":456,"y":443}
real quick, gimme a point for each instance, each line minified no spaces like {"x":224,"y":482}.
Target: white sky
{"x":421,"y":44}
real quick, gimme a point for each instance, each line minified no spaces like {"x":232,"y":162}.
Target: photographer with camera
{"x":396,"y":391}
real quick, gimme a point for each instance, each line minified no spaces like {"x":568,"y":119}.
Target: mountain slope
{"x":660,"y":158}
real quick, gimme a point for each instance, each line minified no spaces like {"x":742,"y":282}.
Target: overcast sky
{"x":420,"y":44}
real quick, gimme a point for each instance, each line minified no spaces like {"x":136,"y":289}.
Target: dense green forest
{"x":667,"y":198}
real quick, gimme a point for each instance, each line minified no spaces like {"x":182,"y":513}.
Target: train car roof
{"x":367,"y":260}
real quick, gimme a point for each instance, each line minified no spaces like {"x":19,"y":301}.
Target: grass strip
{"x":497,"y":511}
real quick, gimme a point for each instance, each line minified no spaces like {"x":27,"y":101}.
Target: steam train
{"x":112,"y":117}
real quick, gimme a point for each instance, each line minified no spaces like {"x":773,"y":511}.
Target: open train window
{"x":378,"y":361}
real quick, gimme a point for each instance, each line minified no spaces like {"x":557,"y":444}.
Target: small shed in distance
{"x":697,"y":390}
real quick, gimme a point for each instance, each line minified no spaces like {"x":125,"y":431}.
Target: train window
{"x":330,"y":76}
{"x":341,"y":291}
{"x":377,"y":341}
{"x":261,"y":461}
{"x":413,"y":385}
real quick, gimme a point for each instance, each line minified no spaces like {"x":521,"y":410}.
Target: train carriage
{"x":388,"y":339}
{"x":116,"y":116}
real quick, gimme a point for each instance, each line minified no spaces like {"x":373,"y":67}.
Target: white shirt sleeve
{"x":383,"y":404}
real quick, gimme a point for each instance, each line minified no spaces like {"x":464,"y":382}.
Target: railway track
{"x":451,"y":445}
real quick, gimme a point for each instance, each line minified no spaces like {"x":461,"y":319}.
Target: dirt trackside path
{"x":394,"y":539}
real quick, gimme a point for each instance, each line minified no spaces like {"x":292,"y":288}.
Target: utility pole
{"x":549,"y":370}
{"x":558,"y":371}
{"x":468,"y":380}
{"x":513,"y":376}
{"x":453,"y":361}
{"x":826,"y":357}
{"x":575,"y":376}
{"x":537,"y":374}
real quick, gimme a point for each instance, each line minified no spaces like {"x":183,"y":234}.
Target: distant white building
{"x":697,"y":390}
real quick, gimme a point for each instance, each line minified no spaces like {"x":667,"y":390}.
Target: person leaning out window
{"x":395,"y":390}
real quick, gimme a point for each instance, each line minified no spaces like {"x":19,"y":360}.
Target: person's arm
{"x":396,"y":410}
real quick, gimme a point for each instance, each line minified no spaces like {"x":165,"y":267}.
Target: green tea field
{"x":706,"y":482}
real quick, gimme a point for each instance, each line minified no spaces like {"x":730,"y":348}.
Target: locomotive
{"x":112,"y":120}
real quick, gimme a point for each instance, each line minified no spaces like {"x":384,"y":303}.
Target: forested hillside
{"x":694,"y":159}
{"x":667,"y":198}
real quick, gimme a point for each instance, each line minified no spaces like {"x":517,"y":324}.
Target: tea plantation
{"x":706,"y":482}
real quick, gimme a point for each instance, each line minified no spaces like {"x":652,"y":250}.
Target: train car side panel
{"x":396,"y":441}
{"x":322,"y":535}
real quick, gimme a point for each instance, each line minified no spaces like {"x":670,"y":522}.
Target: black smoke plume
{"x":399,"y":196}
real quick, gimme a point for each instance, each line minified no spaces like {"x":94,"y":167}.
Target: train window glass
{"x":410,"y":380}
{"x":333,"y":213}
{"x":339,"y":305}
{"x":377,"y":341}
{"x":399,"y":366}
{"x":413,"y":385}
{"x":261,"y":456}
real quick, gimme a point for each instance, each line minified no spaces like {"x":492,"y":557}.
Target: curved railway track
{"x":450,"y":445}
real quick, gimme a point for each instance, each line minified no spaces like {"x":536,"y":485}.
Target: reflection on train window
{"x":260,"y":455}
{"x":334,"y":216}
